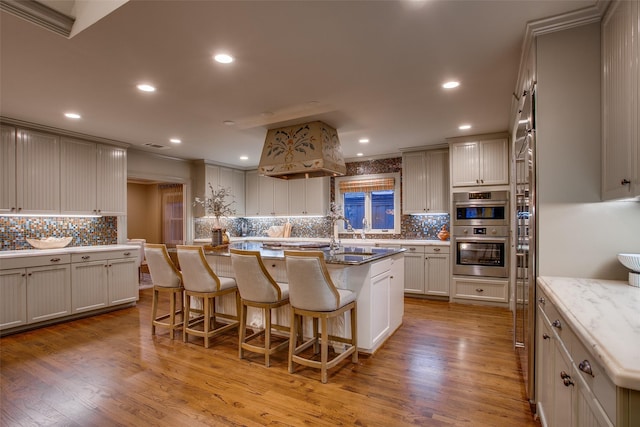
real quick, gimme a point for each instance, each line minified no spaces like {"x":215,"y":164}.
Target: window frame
{"x":339,"y":200}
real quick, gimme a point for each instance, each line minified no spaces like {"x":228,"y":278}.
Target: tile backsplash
{"x":85,"y":231}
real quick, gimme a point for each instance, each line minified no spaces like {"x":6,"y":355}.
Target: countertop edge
{"x":61,"y":251}
{"x":620,"y":375}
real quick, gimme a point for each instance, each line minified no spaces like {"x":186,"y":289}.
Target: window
{"x":370,"y":202}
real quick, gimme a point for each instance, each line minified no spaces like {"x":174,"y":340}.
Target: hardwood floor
{"x":448,"y":365}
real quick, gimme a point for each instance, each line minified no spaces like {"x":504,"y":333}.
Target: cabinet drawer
{"x":599,"y":383}
{"x":380,"y":267}
{"x":481,"y":290}
{"x":557,"y":322}
{"x":414,"y":249}
{"x":103,"y":255}
{"x":34,"y":261}
{"x":436,"y":250}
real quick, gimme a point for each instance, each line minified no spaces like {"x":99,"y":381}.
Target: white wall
{"x":578,"y":235}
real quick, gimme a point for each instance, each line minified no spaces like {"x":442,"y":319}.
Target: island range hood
{"x":305,"y":150}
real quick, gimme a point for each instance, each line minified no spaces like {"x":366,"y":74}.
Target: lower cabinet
{"x":426,"y":270}
{"x":35,"y":289}
{"x":492,"y":290}
{"x":571,"y":387}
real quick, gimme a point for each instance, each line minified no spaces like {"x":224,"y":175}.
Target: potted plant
{"x":217,"y":205}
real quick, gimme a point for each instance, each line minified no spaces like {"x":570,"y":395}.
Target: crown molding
{"x":39,"y":14}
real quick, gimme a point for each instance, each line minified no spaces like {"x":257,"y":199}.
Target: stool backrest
{"x":197,"y":275}
{"x":253,"y":279}
{"x":310,"y":286}
{"x":163,"y":272}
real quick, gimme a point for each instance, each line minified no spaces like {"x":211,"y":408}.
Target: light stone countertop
{"x":62,"y":251}
{"x":605,"y":315}
{"x":350,"y":242}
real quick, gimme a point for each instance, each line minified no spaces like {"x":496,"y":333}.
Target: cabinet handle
{"x":412,"y":249}
{"x":566,"y":379}
{"x":24,"y":274}
{"x":436,"y":249}
{"x":546,"y":336}
{"x":29,"y":274}
{"x":585,"y":367}
{"x":390,"y":277}
{"x":479,"y":290}
{"x":625,"y":182}
{"x":541,"y":300}
{"x":273,"y":265}
{"x":55,"y":260}
{"x":86,"y":257}
{"x":556,"y":324}
{"x":127,"y":253}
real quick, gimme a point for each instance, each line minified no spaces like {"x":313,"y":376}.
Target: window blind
{"x":367,"y":185}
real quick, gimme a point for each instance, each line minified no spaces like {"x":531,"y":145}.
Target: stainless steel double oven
{"x":480,"y":234}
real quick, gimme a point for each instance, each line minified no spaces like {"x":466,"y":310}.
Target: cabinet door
{"x":123,"y":280}
{"x":437,"y":275}
{"x":396,"y":292}
{"x":620,"y":101}
{"x":251,"y":193}
{"x":317,"y":195}
{"x":414,"y":183}
{"x":8,"y":202}
{"x":89,"y":286}
{"x":588,"y":413}
{"x":48,"y":293}
{"x":563,"y":391}
{"x":13,"y":298}
{"x":38,"y":172}
{"x":493,"y":162}
{"x":436,"y":167}
{"x":414,"y":273}
{"x":465,"y":166}
{"x":239,"y":191}
{"x":280,"y":196}
{"x":544,"y":370}
{"x":111,"y":180}
{"x":298,"y":197}
{"x":78,"y":176}
{"x":379,"y":316}
{"x":265,"y":195}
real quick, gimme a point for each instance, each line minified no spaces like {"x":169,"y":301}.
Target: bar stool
{"x":166,"y":280}
{"x":201,"y":282}
{"x":313,"y":294}
{"x":258,"y":289}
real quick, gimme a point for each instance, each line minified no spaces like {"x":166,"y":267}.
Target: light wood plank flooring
{"x":448,"y":365}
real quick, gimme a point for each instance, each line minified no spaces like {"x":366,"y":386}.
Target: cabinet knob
{"x":566,"y":379}
{"x":86,"y":257}
{"x":127,"y":253}
{"x":625,"y":182}
{"x":585,"y":367}
{"x":412,"y":249}
{"x":546,"y":336}
{"x":479,"y":290}
{"x":55,"y":260}
{"x":541,"y":300}
{"x":436,"y":249}
{"x":556,"y":324}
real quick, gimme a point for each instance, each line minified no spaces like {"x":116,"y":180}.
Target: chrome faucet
{"x":364,"y":228}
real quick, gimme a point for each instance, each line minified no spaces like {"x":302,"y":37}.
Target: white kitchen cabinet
{"x":427,"y":270}
{"x":479,"y":162}
{"x":425,"y":180}
{"x":48,"y":292}
{"x":571,"y":386}
{"x":273,"y":196}
{"x":309,"y":196}
{"x":218,"y":176}
{"x":13,"y":298}
{"x":396,"y":292}
{"x":90,"y":290}
{"x":93,"y":178}
{"x":251,"y":193}
{"x":492,"y":290}
{"x":37,"y":172}
{"x":8,"y":199}
{"x":620,"y":101}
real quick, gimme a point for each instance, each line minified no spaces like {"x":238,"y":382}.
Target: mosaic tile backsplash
{"x":85,"y":231}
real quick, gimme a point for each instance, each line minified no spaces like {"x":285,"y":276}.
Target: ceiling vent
{"x":156,"y":146}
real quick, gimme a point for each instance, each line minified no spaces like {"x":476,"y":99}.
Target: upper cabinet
{"x":219,"y":176}
{"x":309,"y":196}
{"x":479,"y":161}
{"x":30,"y":163}
{"x":93,"y":178}
{"x":425,"y":180}
{"x":273,"y":196}
{"x":620,"y":99}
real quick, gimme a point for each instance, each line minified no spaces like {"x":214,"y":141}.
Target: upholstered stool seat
{"x":258,"y":289}
{"x":313,"y":294}
{"x":166,"y":280}
{"x":201,"y":282}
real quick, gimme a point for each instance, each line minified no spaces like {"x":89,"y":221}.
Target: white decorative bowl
{"x":631,"y":261}
{"x":50,"y":242}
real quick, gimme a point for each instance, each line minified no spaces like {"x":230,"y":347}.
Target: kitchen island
{"x":376,"y":274}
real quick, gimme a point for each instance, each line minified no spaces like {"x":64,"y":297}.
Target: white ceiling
{"x":371,"y":69}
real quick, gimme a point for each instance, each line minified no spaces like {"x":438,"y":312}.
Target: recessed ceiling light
{"x":244,"y":157}
{"x":72,"y":115}
{"x":363,"y":140}
{"x":359,"y":154}
{"x":146,"y":87}
{"x":464,"y":127}
{"x":223,"y":58}
{"x":175,"y":140}
{"x":450,"y":85}
{"x":229,"y":122}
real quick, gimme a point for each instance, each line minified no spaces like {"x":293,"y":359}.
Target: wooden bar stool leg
{"x":267,"y":335}
{"x":354,"y":333}
{"x":292,"y":338}
{"x":316,"y":346}
{"x":242,"y":329}
{"x":154,"y":310}
{"x":324,"y":350}
{"x":172,"y":313}
{"x":186,"y":313}
{"x":206,"y":303}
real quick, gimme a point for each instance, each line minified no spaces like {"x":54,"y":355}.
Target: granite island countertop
{"x":605,"y":315}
